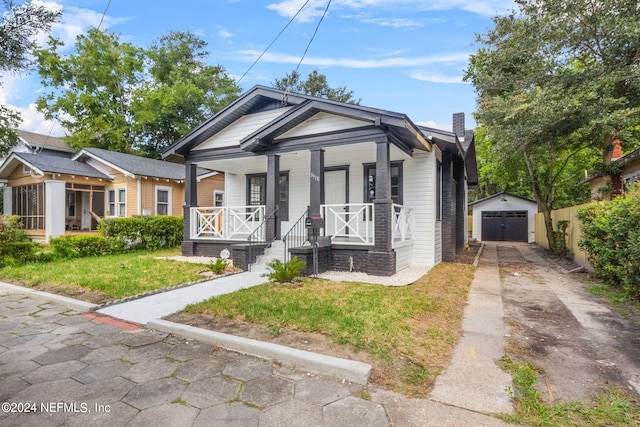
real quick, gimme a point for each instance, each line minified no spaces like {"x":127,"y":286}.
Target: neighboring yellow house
{"x":56,"y":192}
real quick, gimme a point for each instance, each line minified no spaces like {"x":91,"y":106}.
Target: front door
{"x":86,"y":208}
{"x":335,"y":187}
{"x":335,"y":193}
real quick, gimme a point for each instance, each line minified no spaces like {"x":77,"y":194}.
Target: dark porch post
{"x":273,"y":196}
{"x":461,"y":201}
{"x":190,"y":200}
{"x":448,"y":209}
{"x":382,"y":260}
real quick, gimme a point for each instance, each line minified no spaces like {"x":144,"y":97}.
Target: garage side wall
{"x":510,"y":204}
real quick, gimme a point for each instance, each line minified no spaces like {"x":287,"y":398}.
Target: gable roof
{"x":449,"y":142}
{"x":622,"y":161}
{"x":502,"y":194}
{"x":261,"y":98}
{"x":45,"y":162}
{"x":133,"y":165}
{"x":37,"y":141}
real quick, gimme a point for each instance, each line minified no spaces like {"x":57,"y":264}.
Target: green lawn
{"x":410,"y":330}
{"x":112,"y":277}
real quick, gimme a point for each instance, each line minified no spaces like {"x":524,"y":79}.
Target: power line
{"x":314,"y":35}
{"x":55,"y":119}
{"x":273,"y":41}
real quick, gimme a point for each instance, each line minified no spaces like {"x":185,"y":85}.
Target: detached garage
{"x":504,"y":217}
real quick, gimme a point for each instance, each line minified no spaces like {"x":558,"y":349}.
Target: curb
{"x":478,"y":255}
{"x":350,"y":370}
{"x":69,"y":302}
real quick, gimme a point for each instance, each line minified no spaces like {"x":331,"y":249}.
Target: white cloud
{"x":436,"y":78}
{"x":357,"y":63}
{"x":223,"y":33}
{"x":394,"y":22}
{"x":314,"y":8}
{"x":34,"y":121}
{"x":433,"y":125}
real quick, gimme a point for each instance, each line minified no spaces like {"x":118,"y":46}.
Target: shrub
{"x":16,"y":246}
{"x":283,"y":272}
{"x":84,"y":246}
{"x":611,"y":238}
{"x":144,"y":232}
{"x":218,"y":266}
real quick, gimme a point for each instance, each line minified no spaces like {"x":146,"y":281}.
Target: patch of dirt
{"x":469,"y":254}
{"x":581,"y":344}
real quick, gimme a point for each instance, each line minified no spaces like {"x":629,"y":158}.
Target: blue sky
{"x":406,"y":56}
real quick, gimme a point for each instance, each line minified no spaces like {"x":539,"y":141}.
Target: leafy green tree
{"x":181,"y":91}
{"x":120,"y":97}
{"x":92,"y":90}
{"x":552,"y":79}
{"x":19,"y":24}
{"x":316,"y":85}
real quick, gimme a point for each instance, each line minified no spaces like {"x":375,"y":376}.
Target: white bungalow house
{"x":380,"y":192}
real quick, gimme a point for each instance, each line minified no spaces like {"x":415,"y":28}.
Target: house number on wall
{"x":315,"y":177}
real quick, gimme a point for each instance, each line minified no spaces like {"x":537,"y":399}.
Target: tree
{"x":180,"y":92}
{"x":551,"y":80}
{"x":316,"y":85}
{"x":18,"y":27}
{"x":93,"y":90}
{"x":120,"y":97}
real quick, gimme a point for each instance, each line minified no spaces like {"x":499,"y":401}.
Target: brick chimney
{"x":617,"y":150}
{"x":458,"y":125}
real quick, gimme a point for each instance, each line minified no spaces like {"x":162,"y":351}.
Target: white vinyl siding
{"x":323,"y":123}
{"x":241,"y":128}
{"x":420,"y":194}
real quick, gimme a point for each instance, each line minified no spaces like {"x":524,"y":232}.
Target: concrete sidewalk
{"x":172,"y":376}
{"x":146,"y":309}
{"x":473,"y":379}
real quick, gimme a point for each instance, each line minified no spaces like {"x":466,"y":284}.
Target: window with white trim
{"x":163,"y":200}
{"x":117,"y":202}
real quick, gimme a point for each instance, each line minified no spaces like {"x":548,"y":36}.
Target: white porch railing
{"x":226,"y":223}
{"x":402,"y":221}
{"x":351,"y":223}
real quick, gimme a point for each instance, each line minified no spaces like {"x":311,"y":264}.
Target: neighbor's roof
{"x":45,"y":162}
{"x":134,"y":165}
{"x":36,"y":140}
{"x":137,"y":165}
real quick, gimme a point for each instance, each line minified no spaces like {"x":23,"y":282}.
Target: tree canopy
{"x":316,"y":85}
{"x":121,"y":97}
{"x":19,"y":25}
{"x":557,"y":82}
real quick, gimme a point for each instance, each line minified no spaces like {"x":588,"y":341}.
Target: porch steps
{"x":275,"y":251}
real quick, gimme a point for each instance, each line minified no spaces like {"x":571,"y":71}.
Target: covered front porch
{"x":309,"y":198}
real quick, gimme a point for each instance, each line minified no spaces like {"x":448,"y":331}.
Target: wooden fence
{"x":573,"y":232}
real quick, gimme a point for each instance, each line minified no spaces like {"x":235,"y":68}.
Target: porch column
{"x":316,"y":189}
{"x":7,"y":199}
{"x":448,"y":209}
{"x":190,"y":200}
{"x":273,"y":196}
{"x":460,"y":206}
{"x":382,"y":259}
{"x":54,"y":210}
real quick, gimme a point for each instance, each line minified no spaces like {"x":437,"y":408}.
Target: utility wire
{"x":55,"y":119}
{"x":314,"y":35}
{"x":273,"y":41}
{"x":295,"y":73}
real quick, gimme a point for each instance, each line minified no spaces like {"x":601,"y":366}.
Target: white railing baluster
{"x":225,"y":223}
